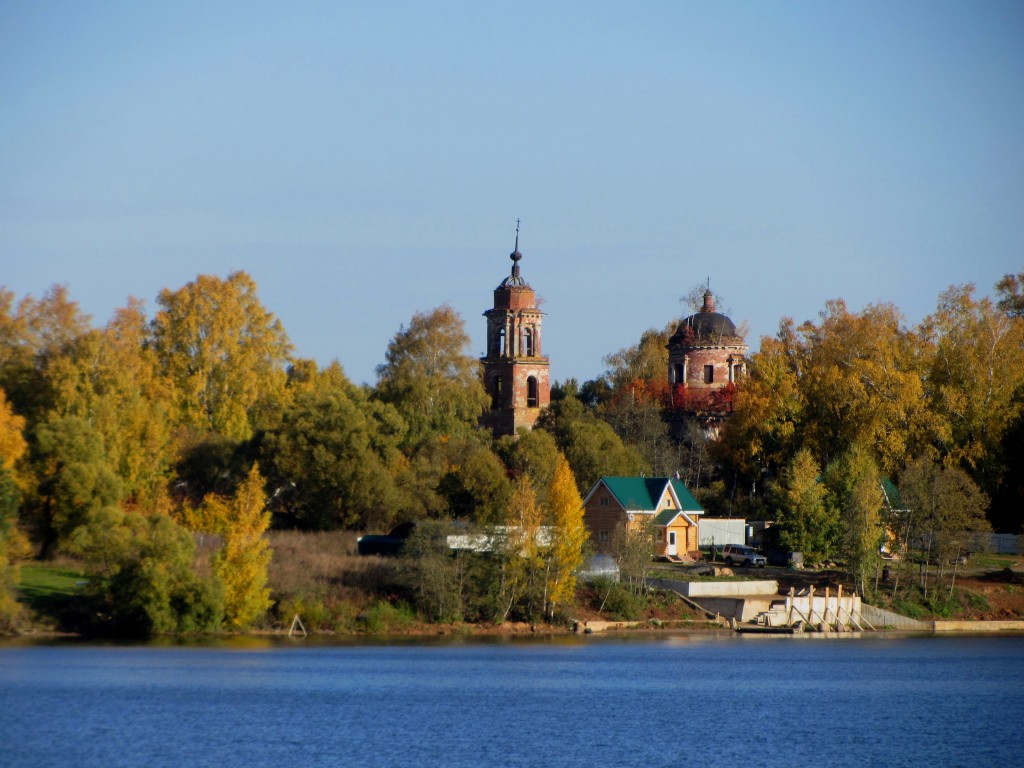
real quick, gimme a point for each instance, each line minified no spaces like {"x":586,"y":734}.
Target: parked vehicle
{"x":389,"y":544}
{"x":739,"y":554}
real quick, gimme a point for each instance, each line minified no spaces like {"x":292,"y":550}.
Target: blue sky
{"x":366,"y":160}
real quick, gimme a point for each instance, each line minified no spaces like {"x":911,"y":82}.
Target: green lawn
{"x":992,"y":562}
{"x":48,"y":589}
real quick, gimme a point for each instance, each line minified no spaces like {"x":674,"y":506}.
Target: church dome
{"x":706,"y":325}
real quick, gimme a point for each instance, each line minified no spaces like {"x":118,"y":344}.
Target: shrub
{"x":384,"y":618}
{"x":622,"y":604}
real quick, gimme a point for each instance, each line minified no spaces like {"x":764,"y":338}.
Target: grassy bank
{"x":320,"y":578}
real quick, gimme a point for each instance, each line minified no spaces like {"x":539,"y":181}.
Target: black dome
{"x":706,"y":325}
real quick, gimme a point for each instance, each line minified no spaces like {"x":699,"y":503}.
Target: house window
{"x":709,"y":374}
{"x":532,"y":400}
{"x":528,"y":342}
{"x":604,"y":501}
{"x":603,"y":537}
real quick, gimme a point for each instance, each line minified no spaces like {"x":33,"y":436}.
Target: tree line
{"x":118,"y":441}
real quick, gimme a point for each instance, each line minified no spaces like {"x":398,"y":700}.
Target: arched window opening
{"x":496,"y":392}
{"x":532,"y":400}
{"x":678,"y":377}
{"x":501,"y":342}
{"x":528,"y":342}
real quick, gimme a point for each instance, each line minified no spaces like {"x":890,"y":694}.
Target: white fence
{"x":722,"y":530}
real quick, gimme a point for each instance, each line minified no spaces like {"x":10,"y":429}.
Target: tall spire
{"x":516,"y":256}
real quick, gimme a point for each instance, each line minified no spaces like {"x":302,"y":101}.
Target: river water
{"x":665,"y":700}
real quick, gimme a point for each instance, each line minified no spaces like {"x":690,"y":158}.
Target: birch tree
{"x":570,"y":537}
{"x":241,"y":564}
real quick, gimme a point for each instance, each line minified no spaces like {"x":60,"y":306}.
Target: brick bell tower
{"x":515,"y":372}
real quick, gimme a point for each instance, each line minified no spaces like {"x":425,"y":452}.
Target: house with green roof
{"x":629,"y":503}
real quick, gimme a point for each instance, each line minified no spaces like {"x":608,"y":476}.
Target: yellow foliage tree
{"x":522,"y":561}
{"x":12,"y":442}
{"x":570,"y":535}
{"x":242,"y":562}
{"x":12,"y":446}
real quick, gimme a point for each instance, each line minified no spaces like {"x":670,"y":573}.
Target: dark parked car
{"x":390,"y":544}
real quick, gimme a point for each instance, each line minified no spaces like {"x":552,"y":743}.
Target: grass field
{"x":49,"y":589}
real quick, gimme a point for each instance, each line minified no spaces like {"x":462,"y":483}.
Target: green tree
{"x":475,"y":485}
{"x":75,"y":478}
{"x":225,"y":353}
{"x":430,"y":378}
{"x":805,"y":520}
{"x":856,"y":495}
{"x":437,"y":577}
{"x":588,"y":443}
{"x":569,"y":537}
{"x":633,"y":546}
{"x":532,"y":452}
{"x":647,"y":360}
{"x":947,"y":509}
{"x":334,"y":457}
{"x":143,"y":582}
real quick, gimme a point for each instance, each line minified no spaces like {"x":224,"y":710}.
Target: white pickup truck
{"x":738,"y":554}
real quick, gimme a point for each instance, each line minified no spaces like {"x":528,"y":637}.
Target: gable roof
{"x":642,"y":494}
{"x":892,"y":495}
{"x":666,"y":517}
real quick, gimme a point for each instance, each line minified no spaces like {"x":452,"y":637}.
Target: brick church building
{"x":706,"y":357}
{"x":516,"y":373}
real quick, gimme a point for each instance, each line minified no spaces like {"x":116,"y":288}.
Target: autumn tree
{"x":569,"y":537}
{"x":225,"y":353}
{"x":975,"y":375}
{"x":769,"y":407}
{"x":431,"y":379}
{"x":1010,"y":289}
{"x":241,"y":563}
{"x":111,"y":378}
{"x":35,"y":337}
{"x":12,"y":448}
{"x":862,"y":379}
{"x":521,"y":558}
